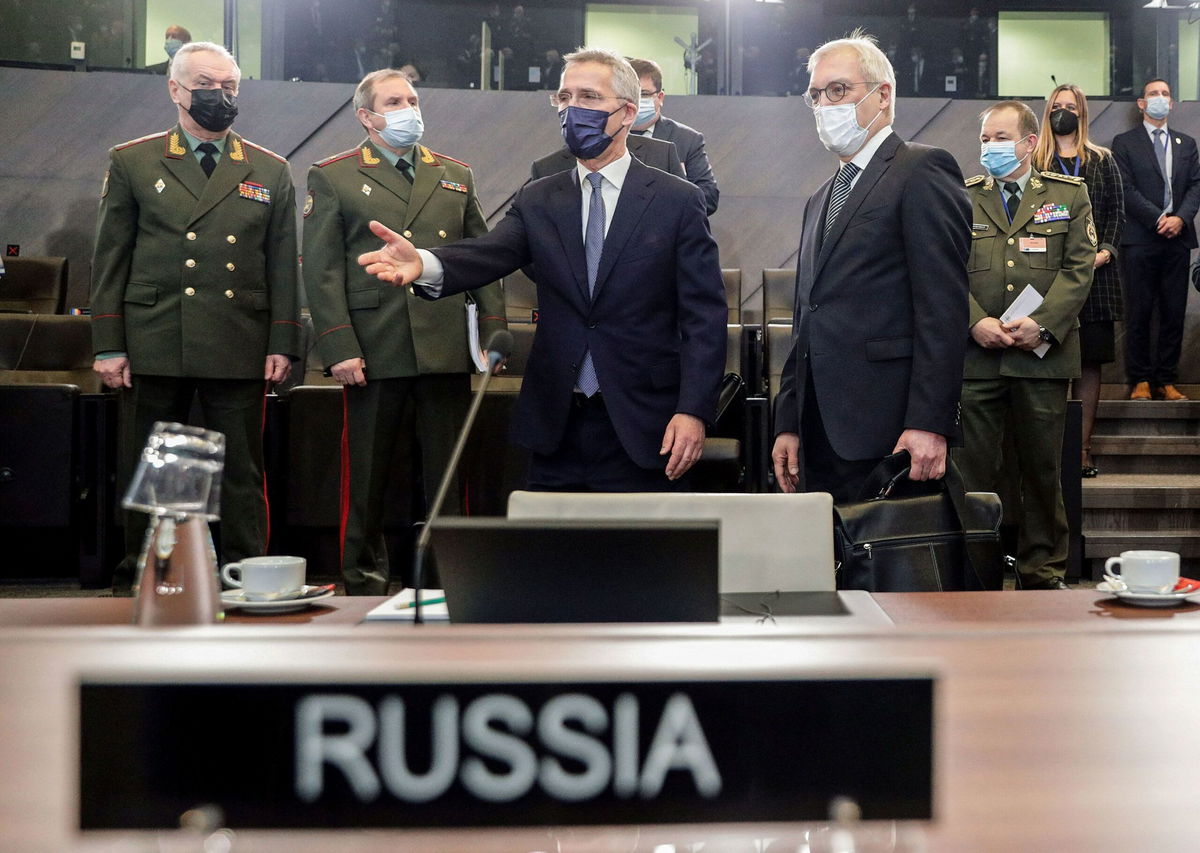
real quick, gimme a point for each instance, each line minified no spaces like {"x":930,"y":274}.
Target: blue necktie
{"x":841,"y":189}
{"x":593,"y":246}
{"x":1160,"y":150}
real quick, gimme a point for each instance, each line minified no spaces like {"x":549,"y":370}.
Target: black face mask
{"x":212,"y":109}
{"x":1064,"y":122}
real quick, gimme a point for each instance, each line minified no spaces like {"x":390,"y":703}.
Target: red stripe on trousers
{"x":344,"y":501}
{"x":262,"y":427}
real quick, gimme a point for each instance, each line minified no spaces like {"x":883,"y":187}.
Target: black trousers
{"x":370,"y":432}
{"x":590,"y":458}
{"x":230,"y":406}
{"x":1156,"y":281}
{"x":824,"y":470}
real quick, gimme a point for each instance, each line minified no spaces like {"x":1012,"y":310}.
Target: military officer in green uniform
{"x":1032,"y":247}
{"x":383,"y":343}
{"x":194,"y":287}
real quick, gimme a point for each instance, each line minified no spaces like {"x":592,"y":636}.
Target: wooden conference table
{"x":1065,"y":721}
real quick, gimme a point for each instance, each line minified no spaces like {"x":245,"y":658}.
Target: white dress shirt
{"x":863,"y":157}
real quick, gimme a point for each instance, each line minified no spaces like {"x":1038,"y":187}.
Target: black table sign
{"x":504,"y":754}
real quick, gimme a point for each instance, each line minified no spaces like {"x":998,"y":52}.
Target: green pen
{"x":424,"y":601}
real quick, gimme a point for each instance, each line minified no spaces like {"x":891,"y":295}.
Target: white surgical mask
{"x":404,"y":127}
{"x":645,"y":111}
{"x":838,"y":127}
{"x":1158,"y":106}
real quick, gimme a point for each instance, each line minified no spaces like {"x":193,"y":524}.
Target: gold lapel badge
{"x":174,"y":146}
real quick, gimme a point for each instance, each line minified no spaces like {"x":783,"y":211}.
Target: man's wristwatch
{"x":1044,"y":335}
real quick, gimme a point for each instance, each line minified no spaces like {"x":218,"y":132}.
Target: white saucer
{"x":1147,"y":599}
{"x":235,"y":598}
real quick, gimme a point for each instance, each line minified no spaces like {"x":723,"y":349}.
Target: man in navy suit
{"x":1161,"y":175}
{"x":629,"y":351}
{"x":880,"y":326}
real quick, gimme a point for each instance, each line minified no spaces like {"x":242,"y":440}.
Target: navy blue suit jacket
{"x":655,"y":325}
{"x":1134,"y":153}
{"x":882,"y":317}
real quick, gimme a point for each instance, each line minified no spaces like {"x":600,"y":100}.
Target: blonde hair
{"x":872,"y":61}
{"x":1045,"y":151}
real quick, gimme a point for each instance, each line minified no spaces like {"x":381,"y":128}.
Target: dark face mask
{"x":1064,"y":122}
{"x":212,"y":109}
{"x":583,"y":131}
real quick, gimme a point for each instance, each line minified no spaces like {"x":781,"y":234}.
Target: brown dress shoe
{"x":1141,"y":391}
{"x":1169,"y":392}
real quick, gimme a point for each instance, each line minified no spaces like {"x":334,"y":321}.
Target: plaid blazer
{"x":1103,"y":180}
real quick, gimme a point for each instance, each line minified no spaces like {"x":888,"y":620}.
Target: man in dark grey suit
{"x":650,"y":122}
{"x":879,"y":335}
{"x":652,"y":152}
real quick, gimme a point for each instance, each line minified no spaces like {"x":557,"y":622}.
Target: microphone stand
{"x":499,"y":348}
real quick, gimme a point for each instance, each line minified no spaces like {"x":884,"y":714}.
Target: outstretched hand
{"x":397,"y":262}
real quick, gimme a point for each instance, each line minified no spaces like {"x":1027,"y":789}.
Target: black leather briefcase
{"x":915,"y":537}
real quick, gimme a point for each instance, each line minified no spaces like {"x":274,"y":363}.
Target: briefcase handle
{"x":951,"y":483}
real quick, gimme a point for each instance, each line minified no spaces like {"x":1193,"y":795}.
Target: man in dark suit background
{"x":652,"y":152}
{"x":881,"y":288}
{"x":630,"y":345}
{"x":1157,"y":242}
{"x":652,"y":123}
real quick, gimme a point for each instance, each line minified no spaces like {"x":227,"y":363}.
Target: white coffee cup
{"x":1146,"y":571}
{"x":266,"y":578}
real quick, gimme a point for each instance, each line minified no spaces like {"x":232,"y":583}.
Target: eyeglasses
{"x":834,"y":92}
{"x":589,"y":100}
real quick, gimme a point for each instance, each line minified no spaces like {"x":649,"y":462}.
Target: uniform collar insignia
{"x":426,"y":155}
{"x":989,"y":183}
{"x":236,"y":152}
{"x":366,"y":157}
{"x":1035,"y":182}
{"x":175,"y":149}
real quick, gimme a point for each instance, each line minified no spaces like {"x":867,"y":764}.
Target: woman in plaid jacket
{"x":1066,"y":149}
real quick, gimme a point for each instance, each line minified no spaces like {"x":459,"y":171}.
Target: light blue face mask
{"x":1158,"y":106}
{"x":645,"y":113}
{"x":404,"y":127}
{"x":172,"y":47}
{"x":999,"y":158}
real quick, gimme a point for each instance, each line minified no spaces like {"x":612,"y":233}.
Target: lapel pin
{"x":366,"y":189}
{"x":159,"y":185}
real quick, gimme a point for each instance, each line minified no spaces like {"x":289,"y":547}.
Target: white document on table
{"x":1027,"y":301}
{"x":399,"y":607}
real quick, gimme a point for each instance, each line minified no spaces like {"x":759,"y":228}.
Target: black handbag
{"x":915,"y":537}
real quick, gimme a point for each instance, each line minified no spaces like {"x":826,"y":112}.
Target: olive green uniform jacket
{"x":194,"y":276}
{"x":1054,"y":209}
{"x":355,"y":315}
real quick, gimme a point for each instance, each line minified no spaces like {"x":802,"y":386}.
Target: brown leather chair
{"x":733,"y":294}
{"x":34,"y":285}
{"x":779,"y":295}
{"x":47,"y":349}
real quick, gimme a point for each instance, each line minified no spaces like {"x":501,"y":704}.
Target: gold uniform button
{"x":1012,"y":263}
{"x":1011,"y":241}
{"x":1009,"y":288}
{"x":231,"y":239}
{"x":229,"y":266}
{"x":408,"y":235}
{"x":442,"y":234}
{"x":229,"y":294}
{"x":1049,"y":230}
{"x":191,"y":291}
{"x":191,"y":235}
{"x":189,"y":263}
